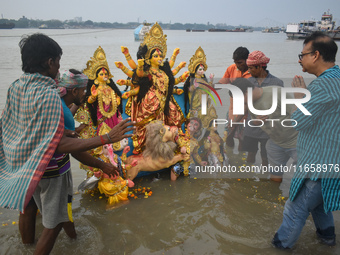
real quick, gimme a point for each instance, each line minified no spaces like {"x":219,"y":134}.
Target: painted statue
{"x":102,"y":110}
{"x":197,"y":85}
{"x":159,"y":152}
{"x":152,"y":85}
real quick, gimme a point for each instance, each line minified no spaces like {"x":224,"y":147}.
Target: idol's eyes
{"x":157,"y":55}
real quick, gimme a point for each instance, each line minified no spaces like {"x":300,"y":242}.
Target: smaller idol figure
{"x":102,"y":110}
{"x":197,"y":85}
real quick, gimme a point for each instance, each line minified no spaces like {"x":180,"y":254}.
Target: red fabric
{"x":257,"y":58}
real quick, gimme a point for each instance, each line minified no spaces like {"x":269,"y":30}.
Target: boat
{"x":43,"y":26}
{"x":195,"y":30}
{"x":238,"y":29}
{"x":141,"y":30}
{"x":271,"y":30}
{"x":307,"y":27}
{"x":7,"y":25}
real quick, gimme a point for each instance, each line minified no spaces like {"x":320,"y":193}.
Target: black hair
{"x":145,"y":83}
{"x":74,"y":71}
{"x":324,"y":44}
{"x":36,"y":50}
{"x":187,"y":84}
{"x":242,"y":84}
{"x":241,"y":53}
{"x":93,"y":107}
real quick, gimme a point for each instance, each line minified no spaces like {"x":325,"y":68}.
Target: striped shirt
{"x":318,"y":144}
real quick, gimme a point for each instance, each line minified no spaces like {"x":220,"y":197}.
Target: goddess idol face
{"x":200,"y":71}
{"x":156,"y":58}
{"x":103,"y":76}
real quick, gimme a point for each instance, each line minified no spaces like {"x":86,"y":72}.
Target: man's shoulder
{"x":231,"y":67}
{"x":273,"y":80}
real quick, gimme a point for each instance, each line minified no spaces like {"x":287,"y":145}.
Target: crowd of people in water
{"x":161,"y":132}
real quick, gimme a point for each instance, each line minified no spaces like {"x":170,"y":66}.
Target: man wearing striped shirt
{"x":315,"y":187}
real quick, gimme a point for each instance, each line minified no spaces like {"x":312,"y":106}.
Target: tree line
{"x":32,"y":23}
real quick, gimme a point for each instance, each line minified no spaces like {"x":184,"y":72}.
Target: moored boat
{"x":238,"y":29}
{"x":307,"y":27}
{"x":7,"y":25}
{"x":141,"y":30}
{"x":271,"y":30}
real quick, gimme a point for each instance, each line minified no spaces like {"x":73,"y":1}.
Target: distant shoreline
{"x":79,"y":24}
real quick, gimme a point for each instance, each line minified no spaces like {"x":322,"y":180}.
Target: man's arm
{"x":87,"y":159}
{"x":117,"y":133}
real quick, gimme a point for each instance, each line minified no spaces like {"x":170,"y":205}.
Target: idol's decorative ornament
{"x":199,"y":58}
{"x":97,"y":62}
{"x":154,"y":40}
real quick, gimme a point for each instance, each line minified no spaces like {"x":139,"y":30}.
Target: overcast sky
{"x":231,"y":12}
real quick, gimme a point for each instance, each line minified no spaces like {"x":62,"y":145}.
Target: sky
{"x":230,"y":12}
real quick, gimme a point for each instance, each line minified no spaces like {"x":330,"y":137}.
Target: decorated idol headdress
{"x":97,"y":62}
{"x":199,"y":58}
{"x":155,"y":39}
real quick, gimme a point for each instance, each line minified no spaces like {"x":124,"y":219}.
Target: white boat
{"x":306,"y":27}
{"x":141,"y":30}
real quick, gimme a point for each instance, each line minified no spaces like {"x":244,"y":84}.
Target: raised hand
{"x":126,"y":95}
{"x":94,"y":91}
{"x":140,"y":63}
{"x":121,"y":82}
{"x":176,"y":51}
{"x":119,"y":131}
{"x":211,"y":77}
{"x":125,"y":50}
{"x":182,"y":64}
{"x":119,"y":64}
{"x":179,"y":91}
{"x":186,"y":74}
{"x":298,"y":82}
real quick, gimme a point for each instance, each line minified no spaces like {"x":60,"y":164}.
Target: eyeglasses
{"x":301,"y":55}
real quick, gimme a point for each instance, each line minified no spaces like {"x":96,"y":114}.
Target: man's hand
{"x":298,"y":82}
{"x":70,"y":133}
{"x":80,"y":128}
{"x":110,"y":170}
{"x":117,"y":133}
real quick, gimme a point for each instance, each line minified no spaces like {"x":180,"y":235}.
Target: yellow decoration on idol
{"x":95,"y":63}
{"x":199,"y":58}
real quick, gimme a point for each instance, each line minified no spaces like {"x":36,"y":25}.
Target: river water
{"x":202,"y":215}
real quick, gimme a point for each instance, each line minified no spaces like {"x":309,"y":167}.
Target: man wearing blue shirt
{"x":315,"y":187}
